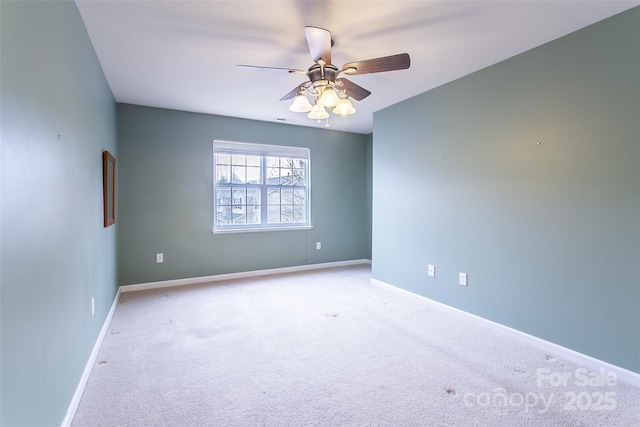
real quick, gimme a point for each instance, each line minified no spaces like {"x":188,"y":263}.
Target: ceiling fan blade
{"x":271,"y":69}
{"x":319,"y":41}
{"x":295,"y":91}
{"x":351,"y":89}
{"x":378,"y":65}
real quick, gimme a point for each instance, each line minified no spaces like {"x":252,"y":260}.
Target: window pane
{"x":223,"y":215}
{"x":253,"y":160}
{"x":253,"y":175}
{"x":238,"y":198}
{"x":253,"y":214}
{"x":298,"y":163}
{"x":273,"y":215}
{"x":253,"y":196}
{"x":239,"y":174}
{"x":238,"y":160}
{"x":299,"y":196}
{"x":274,"y":196}
{"x":223,"y":196}
{"x":299,"y":178}
{"x":239,"y":218}
{"x":286,"y":196}
{"x":300,"y":214}
{"x":273,"y":176}
{"x":286,"y":176}
{"x":273,"y":162}
{"x":223,"y":159}
{"x":286,"y":214}
{"x":222,"y":174}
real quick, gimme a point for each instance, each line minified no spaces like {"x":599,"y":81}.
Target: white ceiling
{"x":183,"y":54}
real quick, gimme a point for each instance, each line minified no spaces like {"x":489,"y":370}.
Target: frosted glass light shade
{"x":318,"y":113}
{"x":300,"y":104}
{"x":329,"y":98}
{"x":344,"y":107}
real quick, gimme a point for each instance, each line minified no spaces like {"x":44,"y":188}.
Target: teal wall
{"x":58,"y":115}
{"x":166,"y":197}
{"x":526,"y":176}
{"x":369,"y":191}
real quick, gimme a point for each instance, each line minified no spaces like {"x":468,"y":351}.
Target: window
{"x":259,"y":187}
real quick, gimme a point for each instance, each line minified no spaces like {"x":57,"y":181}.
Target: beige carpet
{"x":328,"y":348}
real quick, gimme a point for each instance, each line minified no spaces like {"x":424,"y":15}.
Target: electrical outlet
{"x":463,"y":279}
{"x":431,"y":271}
{"x":93,"y":306}
{"x":159,"y":258}
{"x":318,"y":245}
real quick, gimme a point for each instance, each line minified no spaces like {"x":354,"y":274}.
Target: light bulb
{"x":300,"y":104}
{"x":344,"y":107}
{"x":318,"y":113}
{"x":329,"y":98}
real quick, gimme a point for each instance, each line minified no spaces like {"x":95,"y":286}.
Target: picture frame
{"x":109,"y":188}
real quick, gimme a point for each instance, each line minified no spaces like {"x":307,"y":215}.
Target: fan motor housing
{"x":322,"y":75}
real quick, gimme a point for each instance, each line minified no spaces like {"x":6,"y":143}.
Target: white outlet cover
{"x":463,"y":279}
{"x":318,"y":245}
{"x":431,"y":270}
{"x":159,"y":258}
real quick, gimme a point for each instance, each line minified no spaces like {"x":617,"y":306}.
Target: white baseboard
{"x":75,"y":401}
{"x":241,"y":275}
{"x":624,"y":375}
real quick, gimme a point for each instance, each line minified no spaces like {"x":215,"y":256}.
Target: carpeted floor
{"x":328,"y":348}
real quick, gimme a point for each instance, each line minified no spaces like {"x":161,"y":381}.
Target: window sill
{"x":260,"y":230}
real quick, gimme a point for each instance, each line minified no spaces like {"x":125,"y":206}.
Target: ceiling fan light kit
{"x":325,"y":87}
{"x":328,"y":98}
{"x":300,"y":103}
{"x":318,"y":113}
{"x":344,"y":107}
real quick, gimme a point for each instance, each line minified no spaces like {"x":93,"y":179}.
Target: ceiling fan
{"x":325,"y":87}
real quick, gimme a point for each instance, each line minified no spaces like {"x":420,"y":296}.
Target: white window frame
{"x":264,"y":151}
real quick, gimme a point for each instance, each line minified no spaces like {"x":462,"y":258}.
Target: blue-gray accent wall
{"x":369,"y":191}
{"x":165,"y":203}
{"x":58,"y":115}
{"x":525,"y":176}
